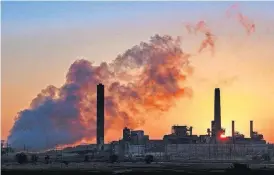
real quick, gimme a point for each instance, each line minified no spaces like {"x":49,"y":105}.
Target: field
{"x":129,"y":168}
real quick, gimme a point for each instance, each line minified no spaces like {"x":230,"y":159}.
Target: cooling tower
{"x":100,"y":115}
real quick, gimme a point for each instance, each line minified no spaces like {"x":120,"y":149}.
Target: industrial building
{"x":183,"y":134}
{"x":181,"y":143}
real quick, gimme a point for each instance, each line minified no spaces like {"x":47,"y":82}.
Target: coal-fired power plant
{"x":181,"y":139}
{"x":178,"y":145}
{"x":100,"y":116}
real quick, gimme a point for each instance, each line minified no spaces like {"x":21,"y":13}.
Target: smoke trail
{"x":248,"y":25}
{"x":202,"y":27}
{"x":145,"y":80}
{"x":232,"y":10}
{"x":188,"y":27}
{"x":208,"y":41}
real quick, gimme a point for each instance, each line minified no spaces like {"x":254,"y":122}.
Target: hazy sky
{"x":41,"y":39}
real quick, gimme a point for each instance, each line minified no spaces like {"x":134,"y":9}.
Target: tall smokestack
{"x":251,"y":128}
{"x":217,"y":109}
{"x":233,"y":131}
{"x":100,"y":115}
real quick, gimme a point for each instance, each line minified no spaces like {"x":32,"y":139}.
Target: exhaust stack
{"x":213,"y":128}
{"x":190,"y":130}
{"x":217,"y":110}
{"x":100,"y":116}
{"x":251,"y":128}
{"x":233,"y":131}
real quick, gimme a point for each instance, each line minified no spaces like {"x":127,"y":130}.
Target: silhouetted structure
{"x":217,"y":111}
{"x":251,"y":129}
{"x":126,"y":134}
{"x":212,"y":128}
{"x":100,"y":116}
{"x":181,"y":142}
{"x":181,"y":135}
{"x":233,"y":131}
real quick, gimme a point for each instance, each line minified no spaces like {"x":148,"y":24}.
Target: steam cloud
{"x":145,"y":79}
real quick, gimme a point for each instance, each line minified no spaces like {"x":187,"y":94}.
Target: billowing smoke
{"x":143,"y":81}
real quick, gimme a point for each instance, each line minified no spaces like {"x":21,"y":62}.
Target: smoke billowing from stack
{"x":217,"y":110}
{"x":144,"y":81}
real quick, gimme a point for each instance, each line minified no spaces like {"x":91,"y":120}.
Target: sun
{"x":223,"y":136}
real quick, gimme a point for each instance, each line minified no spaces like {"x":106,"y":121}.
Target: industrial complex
{"x":180,"y":144}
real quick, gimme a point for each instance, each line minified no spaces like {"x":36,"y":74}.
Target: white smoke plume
{"x":145,"y":79}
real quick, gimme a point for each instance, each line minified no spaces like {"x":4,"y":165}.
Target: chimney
{"x":217,"y":110}
{"x":213,"y":128}
{"x":251,"y":128}
{"x":233,"y":131}
{"x":100,"y":116}
{"x":190,"y":130}
{"x":208,"y":131}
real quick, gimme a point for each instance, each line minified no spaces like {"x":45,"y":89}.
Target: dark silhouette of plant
{"x":34,"y":158}
{"x":113,"y":158}
{"x":21,"y":158}
{"x":47,"y":158}
{"x":149,"y":159}
{"x":255,"y":158}
{"x":65,"y":162}
{"x":86,"y":158}
{"x":266,"y":157}
{"x":239,"y":167}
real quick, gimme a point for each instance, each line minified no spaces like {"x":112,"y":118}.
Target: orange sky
{"x":44,"y":59}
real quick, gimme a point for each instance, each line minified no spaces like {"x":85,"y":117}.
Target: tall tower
{"x":217,"y":109}
{"x":251,"y":129}
{"x":100,"y":116}
{"x":233,"y":131}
